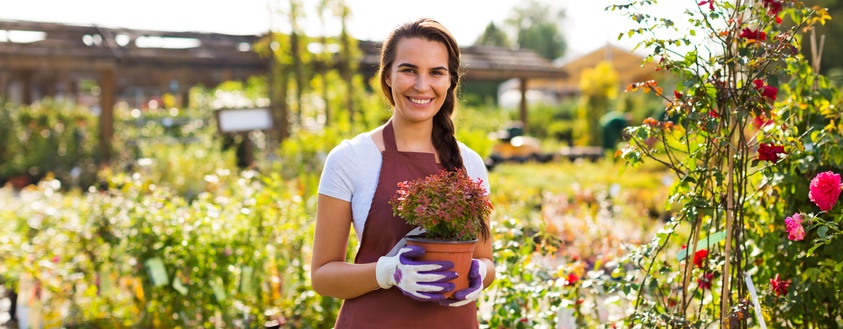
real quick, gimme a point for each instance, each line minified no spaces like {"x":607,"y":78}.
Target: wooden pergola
{"x":121,"y":59}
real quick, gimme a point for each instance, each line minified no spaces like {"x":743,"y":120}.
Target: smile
{"x":420,"y":101}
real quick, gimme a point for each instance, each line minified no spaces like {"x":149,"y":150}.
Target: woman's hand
{"x":422,"y":281}
{"x":476,"y":275}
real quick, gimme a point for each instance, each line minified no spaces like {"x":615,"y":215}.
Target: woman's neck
{"x":413,"y":136}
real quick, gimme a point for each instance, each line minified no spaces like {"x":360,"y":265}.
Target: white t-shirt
{"x":352,"y":169}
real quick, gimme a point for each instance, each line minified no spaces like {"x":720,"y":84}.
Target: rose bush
{"x":749,"y":124}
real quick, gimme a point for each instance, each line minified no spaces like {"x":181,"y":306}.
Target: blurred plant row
{"x":137,"y":254}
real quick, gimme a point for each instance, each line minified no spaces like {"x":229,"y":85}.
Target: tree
{"x":536,"y":28}
{"x":599,"y":88}
{"x":493,"y":36}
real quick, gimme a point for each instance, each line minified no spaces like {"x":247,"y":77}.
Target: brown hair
{"x":443,"y":127}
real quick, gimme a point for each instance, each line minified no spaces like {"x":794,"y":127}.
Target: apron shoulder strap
{"x":389,"y":138}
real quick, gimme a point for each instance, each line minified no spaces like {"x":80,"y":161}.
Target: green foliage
{"x":48,"y":138}
{"x":449,"y":206}
{"x":599,"y":88}
{"x":740,"y":97}
{"x":237,"y":250}
{"x":537,"y":28}
{"x":492,"y":36}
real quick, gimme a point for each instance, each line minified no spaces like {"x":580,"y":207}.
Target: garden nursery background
{"x":697,"y":188}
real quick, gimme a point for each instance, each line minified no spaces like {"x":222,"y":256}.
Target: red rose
{"x":748,"y":34}
{"x":700,"y":256}
{"x":779,"y":285}
{"x":770,"y":152}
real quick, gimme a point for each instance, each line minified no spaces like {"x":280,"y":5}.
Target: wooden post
{"x":523,"y":107}
{"x":26,"y":87}
{"x":108,"y":87}
{"x":4,"y":91}
{"x":185,"y":97}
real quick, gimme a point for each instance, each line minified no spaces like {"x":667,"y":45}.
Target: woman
{"x":419,"y":75}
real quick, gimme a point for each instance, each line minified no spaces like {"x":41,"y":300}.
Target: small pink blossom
{"x":795,"y":231}
{"x":825,"y":189}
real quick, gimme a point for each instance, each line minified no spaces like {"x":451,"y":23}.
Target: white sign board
{"x":237,"y":120}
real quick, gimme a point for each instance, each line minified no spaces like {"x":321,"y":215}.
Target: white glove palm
{"x":422,"y":281}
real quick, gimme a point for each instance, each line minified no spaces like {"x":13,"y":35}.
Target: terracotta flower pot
{"x":458,"y":252}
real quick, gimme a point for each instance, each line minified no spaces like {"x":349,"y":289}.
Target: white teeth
{"x":420,"y":101}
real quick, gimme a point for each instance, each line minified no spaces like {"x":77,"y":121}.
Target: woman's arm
{"x":330,"y":274}
{"x":483,"y":252}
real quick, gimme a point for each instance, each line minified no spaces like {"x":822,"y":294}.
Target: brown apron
{"x":389,"y":308}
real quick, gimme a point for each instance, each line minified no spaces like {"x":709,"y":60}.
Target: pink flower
{"x":779,"y":285}
{"x":709,"y":2}
{"x":825,"y":189}
{"x":770,"y":152}
{"x":795,"y":231}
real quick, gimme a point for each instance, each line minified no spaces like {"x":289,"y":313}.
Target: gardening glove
{"x":476,"y":275}
{"x":422,"y":281}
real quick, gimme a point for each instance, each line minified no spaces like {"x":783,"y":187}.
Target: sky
{"x":586,"y":27}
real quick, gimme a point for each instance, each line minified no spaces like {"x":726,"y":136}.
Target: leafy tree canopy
{"x":493,"y":36}
{"x":537,"y":28}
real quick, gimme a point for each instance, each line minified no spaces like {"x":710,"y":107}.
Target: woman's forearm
{"x":344,"y":280}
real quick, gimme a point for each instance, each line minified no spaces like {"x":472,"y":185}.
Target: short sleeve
{"x":336,"y":176}
{"x":474,"y":166}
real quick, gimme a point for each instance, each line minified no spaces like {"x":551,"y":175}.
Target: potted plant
{"x":453,"y":210}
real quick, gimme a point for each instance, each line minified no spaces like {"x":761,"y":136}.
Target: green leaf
{"x":817,"y":245}
{"x":709,"y":241}
{"x":822,"y":232}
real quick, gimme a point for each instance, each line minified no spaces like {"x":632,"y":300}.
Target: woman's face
{"x":419,"y":79}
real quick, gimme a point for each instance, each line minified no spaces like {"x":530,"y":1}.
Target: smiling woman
{"x":419,"y":81}
{"x":387,"y":286}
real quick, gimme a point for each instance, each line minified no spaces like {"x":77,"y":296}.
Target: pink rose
{"x":795,"y":231}
{"x":825,"y":188}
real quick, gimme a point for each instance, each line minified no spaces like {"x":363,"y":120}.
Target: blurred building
{"x":628,"y":65}
{"x":97,"y":66}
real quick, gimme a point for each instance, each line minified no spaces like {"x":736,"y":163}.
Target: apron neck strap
{"x":389,"y":138}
